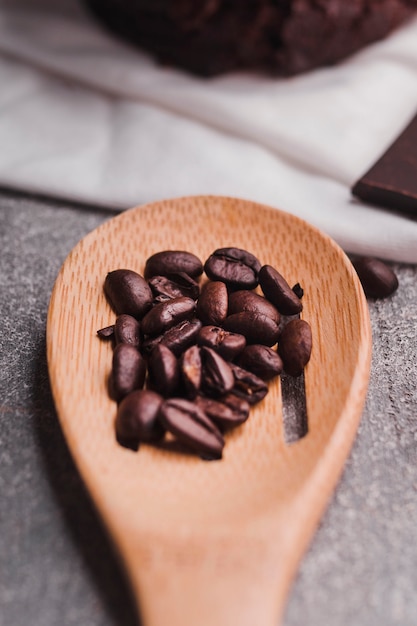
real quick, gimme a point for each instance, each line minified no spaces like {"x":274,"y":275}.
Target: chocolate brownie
{"x":282,"y":37}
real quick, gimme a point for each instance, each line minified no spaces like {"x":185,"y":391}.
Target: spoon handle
{"x":228,"y":580}
{"x":209,"y":585}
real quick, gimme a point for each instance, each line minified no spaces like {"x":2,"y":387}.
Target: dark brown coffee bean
{"x":261,"y":360}
{"x":256,"y":328}
{"x":127,"y":330}
{"x":128,"y":292}
{"x":278,"y":291}
{"x":247,"y":385}
{"x":294,"y":346}
{"x":241,"y":256}
{"x":236,"y":404}
{"x":298,"y":290}
{"x":217,"y":377}
{"x":245,"y":300}
{"x":190,"y":425}
{"x":163,"y":371}
{"x":225,"y":343}
{"x":174,"y":286}
{"x":106,"y":333}
{"x":128,"y":371}
{"x":191,"y":370}
{"x":172,"y":262}
{"x":182,"y":336}
{"x":213,"y":303}
{"x":137,"y":418}
{"x":177,"y":339}
{"x":167,"y":314}
{"x":378,"y":279}
{"x":226,"y":413}
{"x":233,"y":266}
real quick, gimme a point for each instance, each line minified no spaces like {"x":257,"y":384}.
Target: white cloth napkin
{"x":87,"y":118}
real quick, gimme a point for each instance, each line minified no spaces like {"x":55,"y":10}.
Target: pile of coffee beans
{"x":189,"y":360}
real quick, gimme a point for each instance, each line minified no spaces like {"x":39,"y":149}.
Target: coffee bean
{"x":106,"y":333}
{"x":245,"y":300}
{"x":241,"y":256}
{"x":247,"y":385}
{"x":170,"y":262}
{"x":127,"y":330}
{"x":167,"y":314}
{"x":298,"y":290}
{"x":213,"y":303}
{"x":217,"y":377}
{"x":233,"y":266}
{"x":174,"y":286}
{"x":128,"y":292}
{"x":294,"y":346}
{"x":191,"y":370}
{"x":181,"y":336}
{"x":278,"y":291}
{"x":177,"y":339}
{"x":256,"y":328}
{"x":190,"y":425}
{"x":137,"y":418}
{"x":378,"y":279}
{"x":225,"y":343}
{"x":128,"y":371}
{"x":261,"y":360}
{"x":226,"y":413}
{"x":163,"y":370}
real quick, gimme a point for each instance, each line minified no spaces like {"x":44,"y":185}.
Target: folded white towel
{"x":87,"y":118}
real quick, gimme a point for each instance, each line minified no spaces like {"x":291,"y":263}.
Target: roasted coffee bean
{"x":191,"y":370}
{"x":241,"y":256}
{"x":127,"y":330}
{"x":128,"y":371}
{"x":378,"y":280}
{"x":181,"y":336}
{"x":163,"y":370}
{"x":190,"y":425}
{"x":254,"y":327}
{"x":226,"y":413}
{"x":213,"y":303}
{"x":294,"y":346}
{"x":298,"y":290}
{"x":233,"y":266}
{"x":261,"y":360}
{"x":247,"y":385}
{"x":245,"y":300}
{"x":178,"y":338}
{"x":128,"y":292}
{"x":217,"y":377}
{"x":167,"y":314}
{"x":170,"y":262}
{"x":106,"y":333}
{"x":278,"y":291}
{"x":137,"y":418}
{"x":174,"y":286}
{"x":225,"y":343}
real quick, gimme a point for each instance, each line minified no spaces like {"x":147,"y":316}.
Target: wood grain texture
{"x":212,"y":543}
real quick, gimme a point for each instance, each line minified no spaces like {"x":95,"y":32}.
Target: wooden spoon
{"x":212,"y":543}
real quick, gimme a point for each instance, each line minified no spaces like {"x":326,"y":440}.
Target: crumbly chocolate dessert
{"x":282,"y":37}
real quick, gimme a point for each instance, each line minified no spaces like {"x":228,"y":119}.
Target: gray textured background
{"x":57,"y":567}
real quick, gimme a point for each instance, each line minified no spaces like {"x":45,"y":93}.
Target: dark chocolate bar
{"x":392,"y":181}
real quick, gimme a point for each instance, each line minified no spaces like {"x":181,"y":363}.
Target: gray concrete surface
{"x":57,"y":567}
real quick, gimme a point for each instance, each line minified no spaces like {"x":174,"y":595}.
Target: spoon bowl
{"x":212,"y":543}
